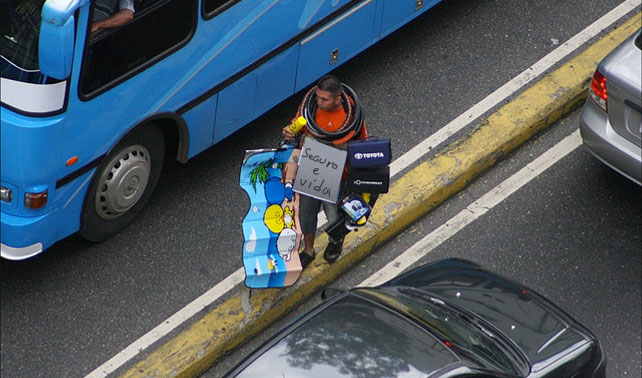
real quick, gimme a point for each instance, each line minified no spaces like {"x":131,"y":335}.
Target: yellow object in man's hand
{"x":297,"y":125}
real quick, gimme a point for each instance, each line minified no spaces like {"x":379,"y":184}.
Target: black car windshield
{"x":462,"y":332}
{"x":353,"y":337}
{"x":20,"y":24}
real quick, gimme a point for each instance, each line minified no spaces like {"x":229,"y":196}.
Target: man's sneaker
{"x":333,"y":250}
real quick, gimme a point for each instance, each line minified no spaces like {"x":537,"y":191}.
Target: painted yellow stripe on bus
{"x":410,"y":197}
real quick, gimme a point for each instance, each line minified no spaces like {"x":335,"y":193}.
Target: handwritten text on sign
{"x":320,"y":171}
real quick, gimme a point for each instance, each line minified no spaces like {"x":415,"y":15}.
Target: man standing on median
{"x":334,"y":117}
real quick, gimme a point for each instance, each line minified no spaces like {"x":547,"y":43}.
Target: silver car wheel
{"x":122,"y":185}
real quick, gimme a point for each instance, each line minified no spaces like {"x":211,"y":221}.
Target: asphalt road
{"x":571,"y":234}
{"x":69,"y":310}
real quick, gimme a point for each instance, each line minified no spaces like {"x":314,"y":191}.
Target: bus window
{"x":158,"y":29}
{"x":213,"y":7}
{"x":20,"y":25}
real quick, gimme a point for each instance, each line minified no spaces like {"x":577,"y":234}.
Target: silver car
{"x":611,"y":121}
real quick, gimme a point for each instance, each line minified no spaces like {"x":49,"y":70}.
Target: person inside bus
{"x":331,"y":114}
{"x":112,"y":13}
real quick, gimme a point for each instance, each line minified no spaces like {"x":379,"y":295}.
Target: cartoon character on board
{"x":280,"y":221}
{"x":286,"y":243}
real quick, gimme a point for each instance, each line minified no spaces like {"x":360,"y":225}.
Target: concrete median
{"x":410,"y":197}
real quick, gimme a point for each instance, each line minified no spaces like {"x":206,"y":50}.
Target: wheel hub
{"x":123,"y":182}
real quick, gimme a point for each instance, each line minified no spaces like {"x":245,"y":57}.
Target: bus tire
{"x":123,"y":183}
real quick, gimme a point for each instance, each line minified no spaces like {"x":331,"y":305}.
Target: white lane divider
{"x":475,"y":210}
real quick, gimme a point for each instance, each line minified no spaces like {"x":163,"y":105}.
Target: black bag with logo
{"x":368,"y":180}
{"x":369,"y":152}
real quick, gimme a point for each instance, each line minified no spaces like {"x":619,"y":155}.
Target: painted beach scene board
{"x":271,"y":228}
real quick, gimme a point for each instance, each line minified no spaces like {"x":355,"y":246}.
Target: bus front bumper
{"x":20,"y":253}
{"x":24,"y":237}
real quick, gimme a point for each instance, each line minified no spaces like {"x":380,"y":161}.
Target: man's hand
{"x":287,"y":133}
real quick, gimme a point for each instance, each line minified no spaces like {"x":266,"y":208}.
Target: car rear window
{"x":353,"y":338}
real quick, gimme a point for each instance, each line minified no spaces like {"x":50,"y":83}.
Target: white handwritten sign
{"x":320,"y":170}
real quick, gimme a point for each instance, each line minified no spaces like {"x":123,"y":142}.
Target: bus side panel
{"x":276,"y":80}
{"x":66,"y":216}
{"x":398,"y":12}
{"x":229,"y":43}
{"x":376,"y":25}
{"x":200,"y":121}
{"x":328,"y":48}
{"x":233,"y":109}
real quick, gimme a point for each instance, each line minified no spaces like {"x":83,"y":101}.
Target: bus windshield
{"x":20,"y":25}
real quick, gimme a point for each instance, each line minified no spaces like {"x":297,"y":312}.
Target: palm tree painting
{"x":260,"y":172}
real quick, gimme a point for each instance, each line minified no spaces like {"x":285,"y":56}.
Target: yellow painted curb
{"x":410,"y":197}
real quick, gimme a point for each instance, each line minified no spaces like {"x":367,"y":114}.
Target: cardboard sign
{"x":320,"y":170}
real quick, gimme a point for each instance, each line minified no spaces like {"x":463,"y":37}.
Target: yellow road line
{"x":410,"y":197}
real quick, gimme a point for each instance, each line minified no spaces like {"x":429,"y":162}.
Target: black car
{"x":450,"y":318}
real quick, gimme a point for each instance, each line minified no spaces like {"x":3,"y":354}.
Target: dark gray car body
{"x":446,"y":319}
{"x":613,"y":136}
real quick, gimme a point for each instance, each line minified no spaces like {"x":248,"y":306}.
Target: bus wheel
{"x":123,"y":183}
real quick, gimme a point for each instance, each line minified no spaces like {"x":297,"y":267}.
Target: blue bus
{"x":89,"y":117}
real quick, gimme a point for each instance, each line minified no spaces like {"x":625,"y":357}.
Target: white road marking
{"x":398,"y":165}
{"x":475,"y":210}
{"x":169,"y":324}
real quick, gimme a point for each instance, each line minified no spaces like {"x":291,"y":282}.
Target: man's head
{"x":328,"y":93}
